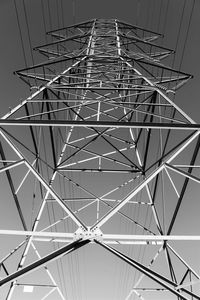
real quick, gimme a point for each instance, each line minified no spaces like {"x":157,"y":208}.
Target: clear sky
{"x":111,"y":280}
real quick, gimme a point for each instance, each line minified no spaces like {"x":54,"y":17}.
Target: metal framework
{"x":99,"y":154}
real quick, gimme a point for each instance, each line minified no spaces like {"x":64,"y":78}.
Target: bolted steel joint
{"x":88,"y":234}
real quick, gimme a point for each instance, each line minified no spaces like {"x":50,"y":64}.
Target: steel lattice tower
{"x":99,"y":154}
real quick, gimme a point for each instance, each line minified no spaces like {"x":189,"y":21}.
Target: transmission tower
{"x":99,"y":166}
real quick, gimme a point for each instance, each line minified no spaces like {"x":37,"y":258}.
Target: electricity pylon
{"x":100,"y":154}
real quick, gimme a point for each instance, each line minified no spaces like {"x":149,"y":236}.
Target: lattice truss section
{"x":100,"y":154}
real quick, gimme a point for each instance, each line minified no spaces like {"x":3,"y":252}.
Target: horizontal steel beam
{"x":107,"y":242}
{"x":73,"y":26}
{"x":63,"y":40}
{"x":102,"y":124}
{"x":151,"y":237}
{"x":114,"y":237}
{"x":122,"y":24}
{"x":36,"y":233}
{"x":85,"y":170}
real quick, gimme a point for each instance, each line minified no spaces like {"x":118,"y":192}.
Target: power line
{"x":62,"y":12}
{"x":50,"y":18}
{"x":20,"y":34}
{"x":57,"y":11}
{"x":74,"y":11}
{"x":165,"y":18}
{"x":44,"y":21}
{"x":28,"y":31}
{"x":29,"y":37}
{"x":187,"y":33}
{"x":179,"y":31}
